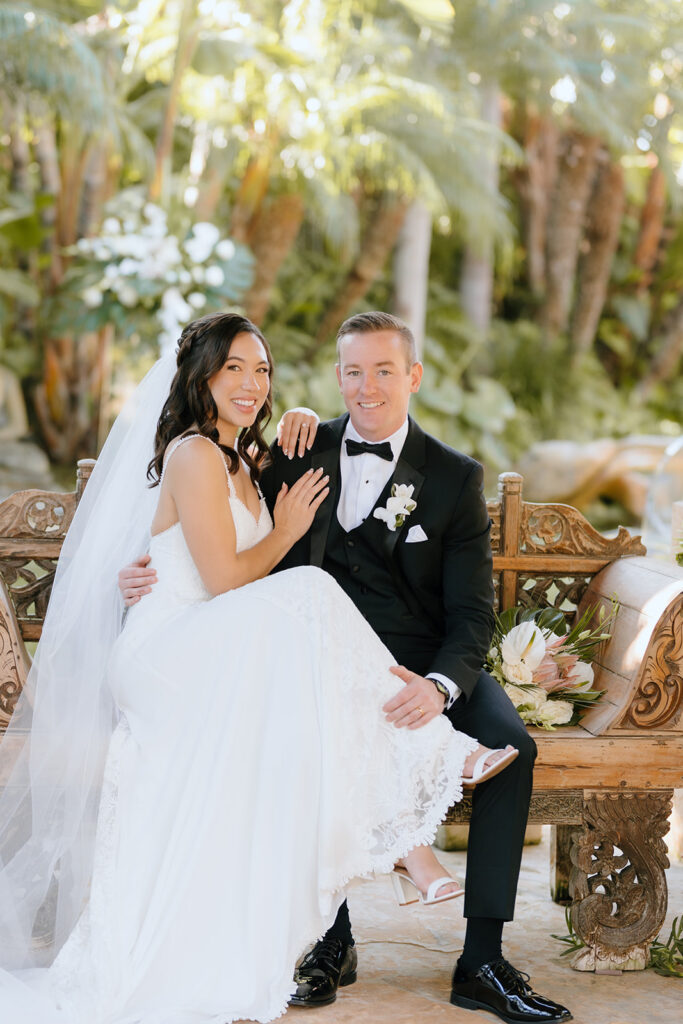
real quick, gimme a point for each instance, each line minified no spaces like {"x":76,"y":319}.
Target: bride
{"x":187,"y":797}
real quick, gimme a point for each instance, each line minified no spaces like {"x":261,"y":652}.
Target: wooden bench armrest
{"x":641,"y":667}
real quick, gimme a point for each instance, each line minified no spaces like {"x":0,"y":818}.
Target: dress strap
{"x":190,"y":437}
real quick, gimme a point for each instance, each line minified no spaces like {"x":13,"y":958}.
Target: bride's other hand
{"x":136,"y":580}
{"x":296,"y":506}
{"x":296,"y":431}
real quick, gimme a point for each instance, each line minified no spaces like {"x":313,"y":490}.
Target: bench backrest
{"x":543,"y":555}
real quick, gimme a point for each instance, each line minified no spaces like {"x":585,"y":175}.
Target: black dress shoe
{"x":500,"y":988}
{"x":329,"y":964}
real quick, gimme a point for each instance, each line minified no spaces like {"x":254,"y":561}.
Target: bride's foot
{"x":483,"y":763}
{"x":420,"y":876}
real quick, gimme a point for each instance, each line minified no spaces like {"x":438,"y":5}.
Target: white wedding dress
{"x":251,"y":776}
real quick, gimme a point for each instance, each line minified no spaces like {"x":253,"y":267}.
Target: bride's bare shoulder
{"x":196,"y":452}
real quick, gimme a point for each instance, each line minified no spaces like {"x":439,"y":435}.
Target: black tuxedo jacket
{"x":446,"y":579}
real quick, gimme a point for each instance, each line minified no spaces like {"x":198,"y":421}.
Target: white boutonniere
{"x":399,"y":505}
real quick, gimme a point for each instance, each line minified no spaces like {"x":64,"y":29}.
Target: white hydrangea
{"x":214,"y":276}
{"x":92,"y":297}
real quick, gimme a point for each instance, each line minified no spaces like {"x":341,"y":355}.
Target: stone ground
{"x":406,"y":955}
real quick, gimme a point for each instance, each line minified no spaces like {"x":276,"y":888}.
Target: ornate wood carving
{"x":658,"y":702}
{"x":37,"y":514}
{"x":548,"y":806}
{"x":549,"y":591}
{"x":14,"y":662}
{"x":618,"y":882}
{"x":562,"y":530}
{"x":29,"y":582}
{"x":494,"y":516}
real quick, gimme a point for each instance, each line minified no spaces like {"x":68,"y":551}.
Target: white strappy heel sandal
{"x":407,"y":891}
{"x":481,"y":774}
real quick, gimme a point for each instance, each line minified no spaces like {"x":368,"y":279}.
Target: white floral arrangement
{"x":398,"y":507}
{"x":137,"y":262}
{"x":544,"y":666}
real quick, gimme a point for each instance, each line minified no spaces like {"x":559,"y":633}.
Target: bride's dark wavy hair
{"x":203,"y":350}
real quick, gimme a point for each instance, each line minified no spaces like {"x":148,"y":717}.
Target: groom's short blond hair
{"x":370,"y":323}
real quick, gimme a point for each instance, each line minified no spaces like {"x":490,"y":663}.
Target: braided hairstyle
{"x":202,"y":351}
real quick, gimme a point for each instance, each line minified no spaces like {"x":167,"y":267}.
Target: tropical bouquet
{"x":543,"y":664}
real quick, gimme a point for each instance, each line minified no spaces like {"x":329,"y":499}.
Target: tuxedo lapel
{"x":407,"y":471}
{"x":328,"y":461}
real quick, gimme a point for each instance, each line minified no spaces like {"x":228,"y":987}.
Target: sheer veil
{"x":52,"y":756}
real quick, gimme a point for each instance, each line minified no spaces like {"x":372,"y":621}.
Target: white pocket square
{"x":415,"y":535}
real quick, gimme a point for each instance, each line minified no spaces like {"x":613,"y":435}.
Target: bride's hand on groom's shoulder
{"x":296,"y":431}
{"x":296,"y":506}
{"x":136,"y":580}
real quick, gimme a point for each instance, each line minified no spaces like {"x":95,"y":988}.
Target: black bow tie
{"x":383,"y":449}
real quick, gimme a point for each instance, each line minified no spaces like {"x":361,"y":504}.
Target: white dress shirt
{"x":363,"y":478}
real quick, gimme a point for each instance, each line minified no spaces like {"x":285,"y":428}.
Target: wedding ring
{"x":421,"y":710}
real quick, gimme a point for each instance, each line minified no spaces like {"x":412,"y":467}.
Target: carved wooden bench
{"x":606,"y":785}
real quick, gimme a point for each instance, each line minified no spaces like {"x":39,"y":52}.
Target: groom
{"x":426,"y":588}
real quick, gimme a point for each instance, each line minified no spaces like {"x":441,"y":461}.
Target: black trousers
{"x":500,"y":807}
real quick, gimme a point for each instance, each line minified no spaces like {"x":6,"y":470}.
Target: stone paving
{"x":406,"y":955}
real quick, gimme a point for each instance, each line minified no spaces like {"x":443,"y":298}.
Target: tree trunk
{"x":250,"y":195}
{"x":188,"y":34}
{"x":668,"y":356}
{"x":604,"y":215}
{"x":272,"y":237}
{"x":476,"y":276}
{"x":68,"y":400}
{"x":568,"y":206}
{"x":411,"y":270}
{"x":535,"y":184}
{"x":47,"y":158}
{"x":377,"y":244}
{"x":651,"y":227}
{"x":94,"y":190}
{"x":20,"y":154}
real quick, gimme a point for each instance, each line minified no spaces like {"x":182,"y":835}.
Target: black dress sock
{"x":341,"y":929}
{"x":483,"y":939}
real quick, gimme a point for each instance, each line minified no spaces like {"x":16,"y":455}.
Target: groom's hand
{"x":416,"y":704}
{"x":136,"y":580}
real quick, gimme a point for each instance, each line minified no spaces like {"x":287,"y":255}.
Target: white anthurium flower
{"x":198,"y":275}
{"x":197,"y":300}
{"x":225,"y":250}
{"x":518,"y":672}
{"x":555,"y":712}
{"x":524,"y":643}
{"x":184,"y":276}
{"x":111,"y":271}
{"x":111,"y":226}
{"x":581,"y":676}
{"x":214,"y":276}
{"x":92,"y":297}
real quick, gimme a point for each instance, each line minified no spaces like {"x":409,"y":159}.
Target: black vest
{"x":356,"y":561}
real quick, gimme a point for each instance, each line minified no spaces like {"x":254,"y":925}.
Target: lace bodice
{"x":170,"y":554}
